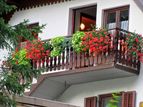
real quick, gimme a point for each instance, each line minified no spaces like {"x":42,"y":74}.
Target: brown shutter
{"x":128,"y":99}
{"x":90,"y":102}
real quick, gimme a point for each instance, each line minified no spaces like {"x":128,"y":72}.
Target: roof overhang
{"x":26,"y":4}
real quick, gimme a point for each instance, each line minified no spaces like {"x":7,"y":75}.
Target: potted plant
{"x":57,"y":46}
{"x":134,"y":46}
{"x":36,"y":50}
{"x":96,"y":41}
{"x":93,"y":42}
{"x":77,"y":41}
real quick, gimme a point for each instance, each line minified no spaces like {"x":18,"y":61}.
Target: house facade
{"x":87,"y":86}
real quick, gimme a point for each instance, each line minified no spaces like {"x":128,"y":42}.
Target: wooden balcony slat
{"x":59,"y":62}
{"x":51,"y":63}
{"x":47,"y":63}
{"x":74,"y":60}
{"x":63,"y":59}
{"x":55,"y":65}
{"x":78,"y":61}
{"x":91,"y":60}
{"x":82,"y":60}
{"x":67,"y":57}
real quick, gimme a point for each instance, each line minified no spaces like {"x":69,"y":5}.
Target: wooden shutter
{"x":128,"y":99}
{"x":90,"y":102}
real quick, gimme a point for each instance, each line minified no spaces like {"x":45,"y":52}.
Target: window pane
{"x":124,"y":19}
{"x":111,"y":20}
{"x":87,"y":23}
{"x":84,"y":18}
{"x":107,"y":100}
{"x":117,"y":17}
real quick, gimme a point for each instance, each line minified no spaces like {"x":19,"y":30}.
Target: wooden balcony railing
{"x":121,"y":55}
{"x":69,"y":60}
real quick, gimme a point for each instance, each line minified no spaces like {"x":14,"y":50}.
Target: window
{"x":23,"y":41}
{"x":90,"y":102}
{"x":117,"y":18}
{"x":105,"y":99}
{"x":84,"y":18}
{"x":126,"y":99}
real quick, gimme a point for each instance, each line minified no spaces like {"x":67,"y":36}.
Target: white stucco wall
{"x":76,"y":93}
{"x":57,"y":19}
{"x":57,"y":16}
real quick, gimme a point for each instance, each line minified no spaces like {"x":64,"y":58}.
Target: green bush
{"x":57,"y":41}
{"x":77,"y":40}
{"x":57,"y":46}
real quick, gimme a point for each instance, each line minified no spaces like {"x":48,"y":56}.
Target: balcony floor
{"x":53,"y":84}
{"x":82,"y":75}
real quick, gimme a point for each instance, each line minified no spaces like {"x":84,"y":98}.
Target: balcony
{"x":74,"y":68}
{"x":70,"y":68}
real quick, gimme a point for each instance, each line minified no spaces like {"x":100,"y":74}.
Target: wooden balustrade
{"x":122,"y":56}
{"x":70,"y":60}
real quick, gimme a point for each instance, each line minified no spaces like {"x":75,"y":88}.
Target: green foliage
{"x":55,"y":52}
{"x":6,"y":101}
{"x":11,"y":83}
{"x":77,"y":41}
{"x":57,"y":46}
{"x":9,"y":35}
{"x":57,"y":41}
{"x":114,"y":101}
{"x":134,"y":44}
{"x":20,"y":58}
{"x":15,"y":80}
{"x":47,"y":45}
{"x":19,"y":75}
{"x":4,"y":8}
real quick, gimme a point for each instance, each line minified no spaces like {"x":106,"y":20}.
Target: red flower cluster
{"x":133,"y":45}
{"x":96,"y":41}
{"x":35,"y":50}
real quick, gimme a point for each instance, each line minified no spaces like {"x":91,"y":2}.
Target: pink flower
{"x":137,"y":40}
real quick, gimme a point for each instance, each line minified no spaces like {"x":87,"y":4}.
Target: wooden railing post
{"x":116,"y":37}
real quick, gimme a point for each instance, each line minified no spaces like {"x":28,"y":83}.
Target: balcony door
{"x":84,"y":18}
{"x":117,"y":18}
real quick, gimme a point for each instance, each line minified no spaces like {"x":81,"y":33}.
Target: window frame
{"x":74,"y":15}
{"x":104,"y":96}
{"x":93,"y":98}
{"x":128,"y":99}
{"x":23,"y":43}
{"x":117,"y":10}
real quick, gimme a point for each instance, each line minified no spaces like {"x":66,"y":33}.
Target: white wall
{"x":57,"y":18}
{"x":76,"y":93}
{"x":3,"y":56}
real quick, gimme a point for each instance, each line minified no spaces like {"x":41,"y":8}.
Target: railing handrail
{"x":68,"y":36}
{"x":120,"y":30}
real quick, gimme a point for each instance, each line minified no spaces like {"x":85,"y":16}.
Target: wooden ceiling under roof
{"x":23,"y":4}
